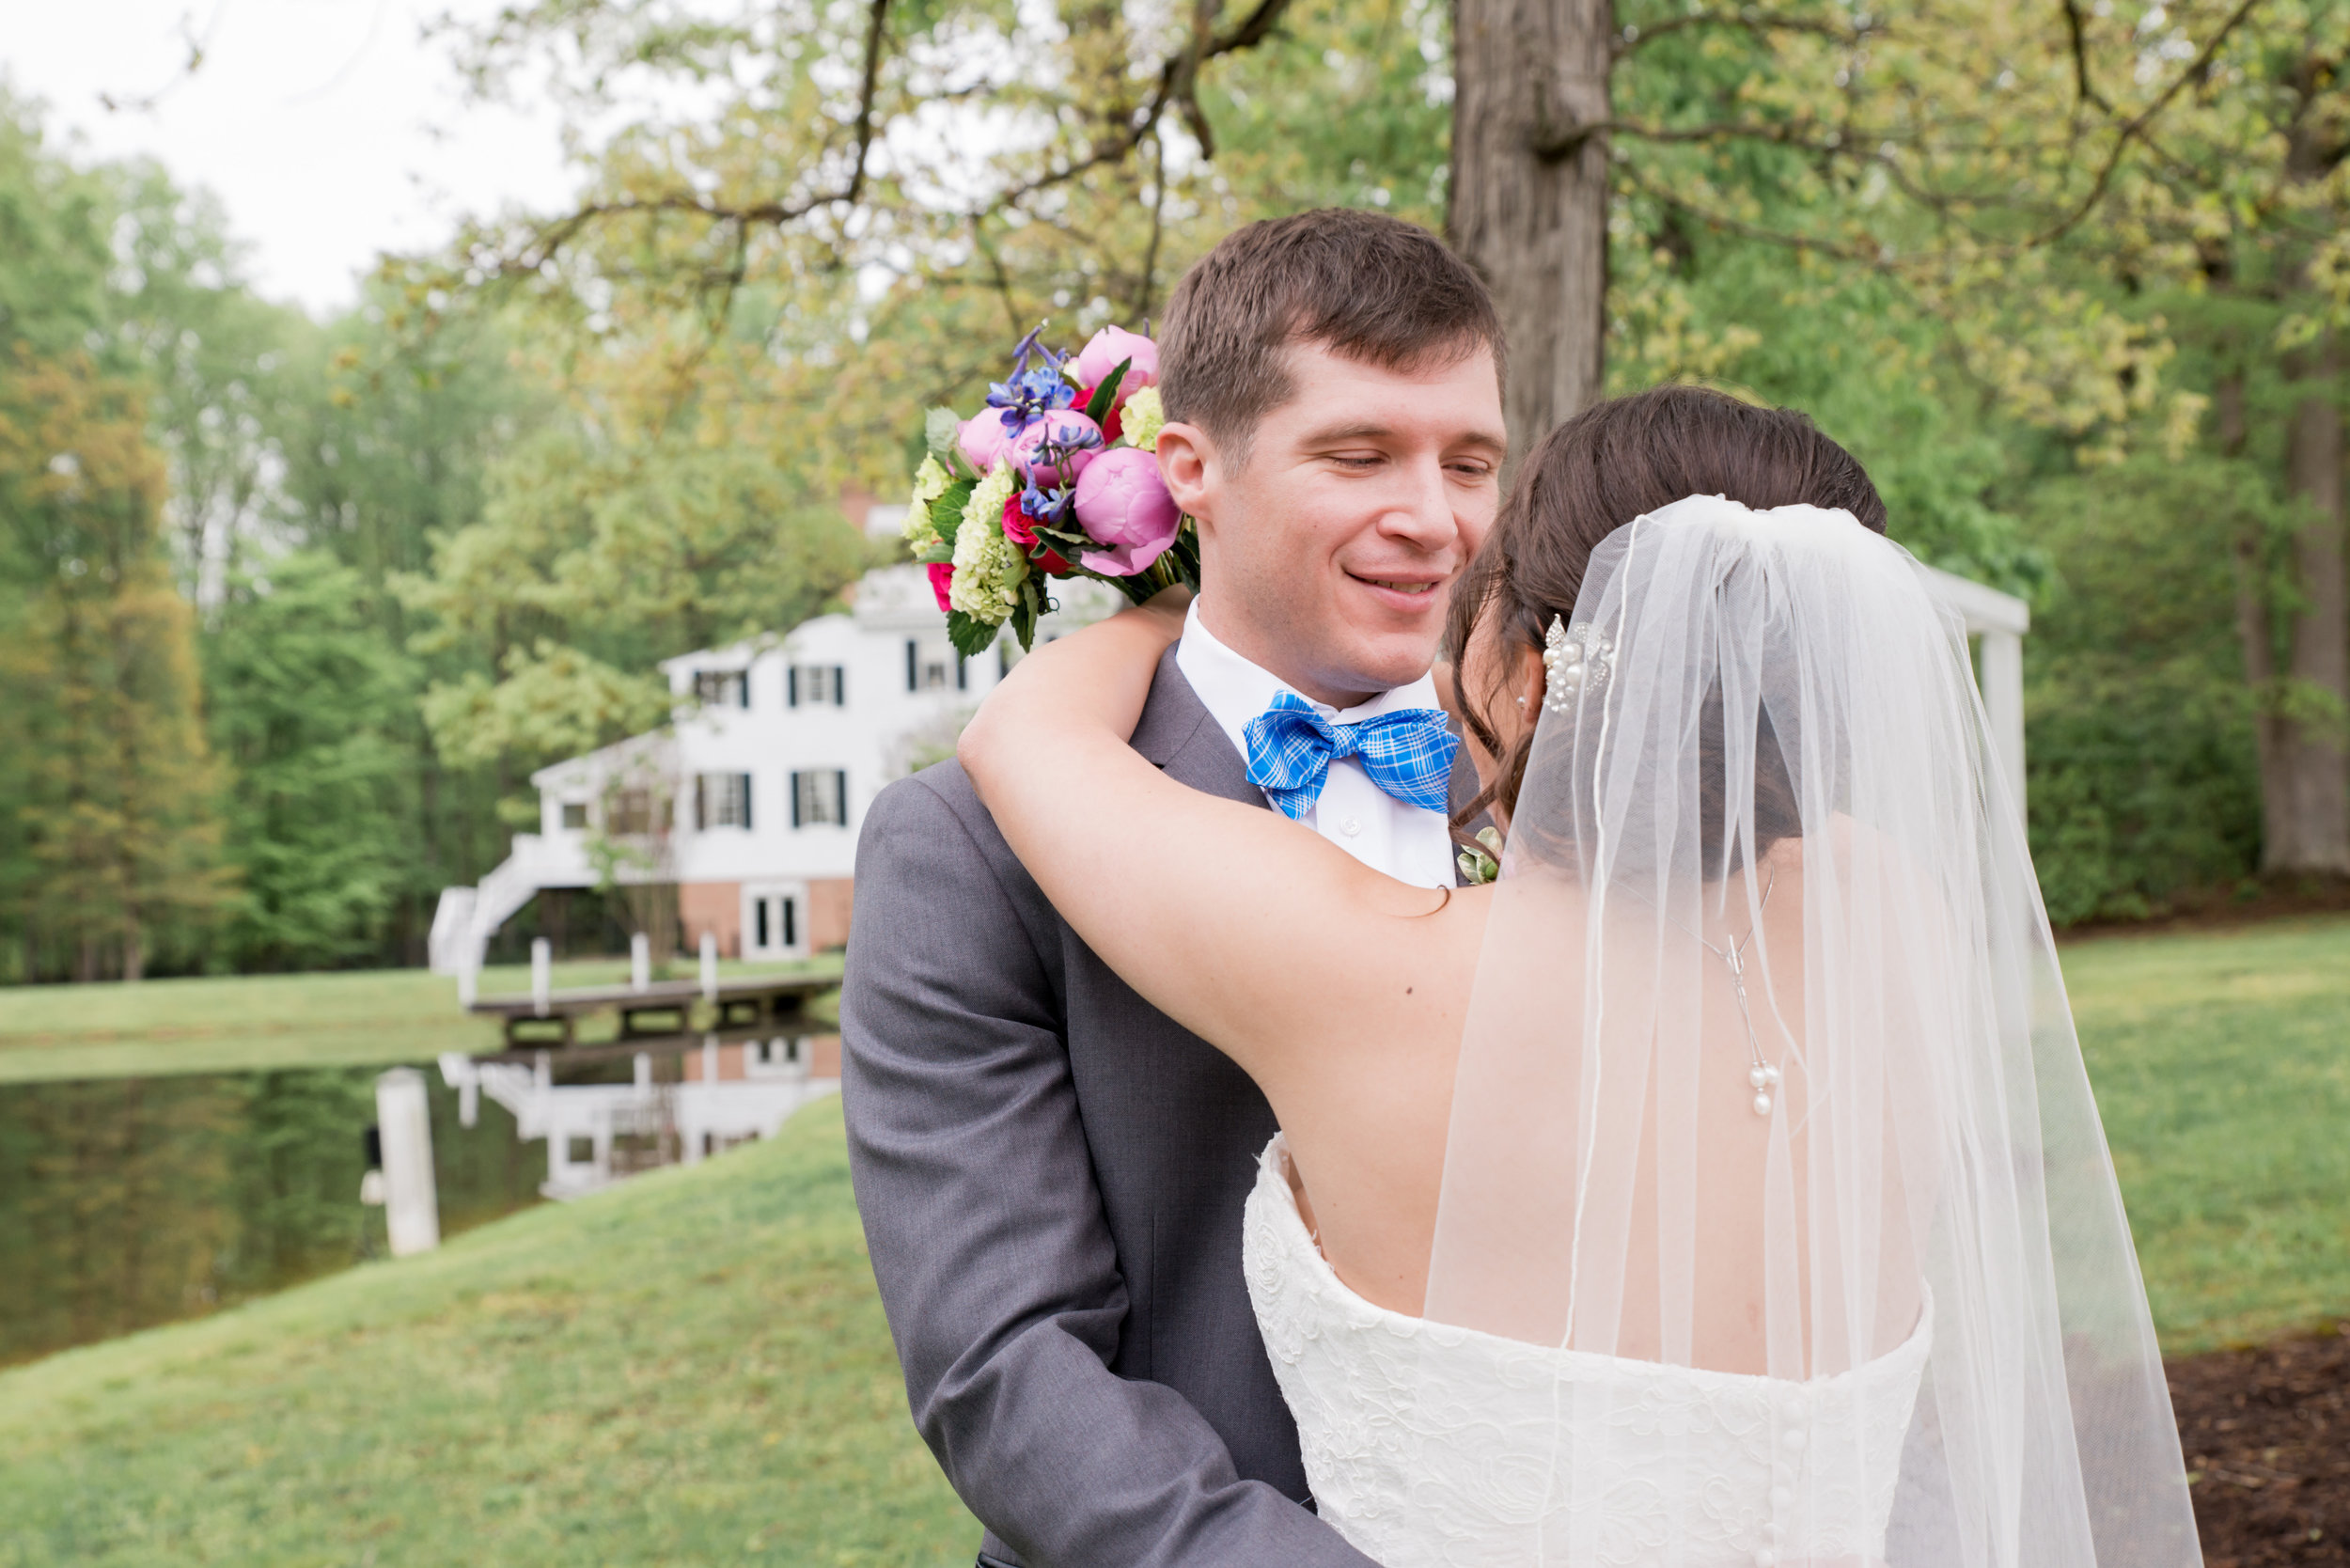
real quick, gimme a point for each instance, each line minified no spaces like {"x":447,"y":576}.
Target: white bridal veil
{"x":1769,"y":1069}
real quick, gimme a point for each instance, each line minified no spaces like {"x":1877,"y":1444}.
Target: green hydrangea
{"x":930,"y":483}
{"x":1143,"y":419}
{"x":989,"y":568}
{"x":987,"y":501}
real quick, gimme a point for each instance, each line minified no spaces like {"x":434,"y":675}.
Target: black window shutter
{"x":746,"y":798}
{"x":1003,"y":660}
{"x":963,"y":675}
{"x":792,"y":686}
{"x":790,"y":921}
{"x":795,"y":800}
{"x":742,"y":690}
{"x":701,"y":809}
{"x":840,"y":797}
{"x":839,"y":686}
{"x":913,"y":676}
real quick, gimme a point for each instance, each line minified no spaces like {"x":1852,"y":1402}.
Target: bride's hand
{"x":1092,"y":682}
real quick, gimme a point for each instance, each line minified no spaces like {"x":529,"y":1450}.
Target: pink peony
{"x":1124,"y":506}
{"x":942,"y":578}
{"x":1063,"y":425}
{"x":1098,"y":358}
{"x":982,"y":439}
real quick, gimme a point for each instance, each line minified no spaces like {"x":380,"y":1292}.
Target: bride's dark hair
{"x":1612,"y":462}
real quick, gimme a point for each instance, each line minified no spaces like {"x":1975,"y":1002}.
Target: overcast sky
{"x":329,"y":129}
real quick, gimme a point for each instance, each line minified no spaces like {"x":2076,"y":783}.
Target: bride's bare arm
{"x":1251,"y":931}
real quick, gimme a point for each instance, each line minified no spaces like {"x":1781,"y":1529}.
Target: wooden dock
{"x":662,"y":1012}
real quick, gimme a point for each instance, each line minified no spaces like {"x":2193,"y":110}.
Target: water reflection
{"x":133,"y":1201}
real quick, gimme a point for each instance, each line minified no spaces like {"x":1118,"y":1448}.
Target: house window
{"x":775,"y":923}
{"x":722,"y":800}
{"x":820,"y":796}
{"x":930,"y":670}
{"x":635,"y":811}
{"x":817,"y":686}
{"x":575,"y":815}
{"x":723,"y":688}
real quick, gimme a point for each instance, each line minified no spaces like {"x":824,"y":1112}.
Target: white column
{"x":541,"y":974}
{"x":710,"y":967}
{"x":411,"y":1207}
{"x":2003,"y":701}
{"x":639,"y":962}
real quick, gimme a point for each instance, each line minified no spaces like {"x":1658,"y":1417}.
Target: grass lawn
{"x":692,"y":1369}
{"x":233,"y":1024}
{"x":2221,"y":1062}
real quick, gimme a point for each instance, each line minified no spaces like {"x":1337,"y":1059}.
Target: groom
{"x":1051,"y":1172}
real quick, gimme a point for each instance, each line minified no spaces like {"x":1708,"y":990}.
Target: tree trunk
{"x":2308,"y":807}
{"x":1529,"y":192}
{"x":2255,"y":627}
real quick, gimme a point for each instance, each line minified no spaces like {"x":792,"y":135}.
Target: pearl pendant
{"x":1759,"y":1076}
{"x":1762,"y":1105}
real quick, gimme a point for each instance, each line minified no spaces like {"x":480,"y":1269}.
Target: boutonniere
{"x":1481,"y":866}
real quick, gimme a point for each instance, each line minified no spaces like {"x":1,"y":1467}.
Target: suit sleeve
{"x":987,"y":1236}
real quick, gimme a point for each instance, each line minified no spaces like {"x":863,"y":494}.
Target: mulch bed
{"x":2268,"y":1438}
{"x":2227,"y":908}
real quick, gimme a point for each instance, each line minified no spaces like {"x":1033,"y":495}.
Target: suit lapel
{"x":1180,"y":735}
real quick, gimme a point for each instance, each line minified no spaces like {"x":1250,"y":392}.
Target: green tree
{"x":118,"y":809}
{"x":312,"y":707}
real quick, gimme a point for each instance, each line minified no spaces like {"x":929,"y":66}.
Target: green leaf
{"x":1098,"y":406}
{"x":937,"y":555}
{"x":970,"y":636}
{"x":946,"y":512}
{"x":939,"y":429}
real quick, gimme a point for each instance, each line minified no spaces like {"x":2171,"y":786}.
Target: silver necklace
{"x":1762,"y":1076}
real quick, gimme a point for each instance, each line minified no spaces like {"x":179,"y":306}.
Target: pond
{"x":128,"y":1202}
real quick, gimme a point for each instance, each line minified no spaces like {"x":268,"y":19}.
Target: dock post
{"x":411,"y":1207}
{"x":541,"y":974}
{"x":640,"y":962}
{"x":469,"y":978}
{"x":710,"y":967}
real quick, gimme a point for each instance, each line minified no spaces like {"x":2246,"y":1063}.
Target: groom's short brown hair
{"x":1360,"y":284}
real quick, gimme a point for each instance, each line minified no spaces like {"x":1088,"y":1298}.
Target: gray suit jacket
{"x":1051,"y":1174}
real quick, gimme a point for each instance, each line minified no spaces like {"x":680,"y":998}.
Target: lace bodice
{"x":1433,"y":1447}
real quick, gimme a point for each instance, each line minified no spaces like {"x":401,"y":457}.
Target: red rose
{"x":1112,"y":426}
{"x":1019,"y":526}
{"x":941,"y":577}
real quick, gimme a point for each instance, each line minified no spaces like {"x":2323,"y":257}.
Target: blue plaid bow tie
{"x":1407,"y":753}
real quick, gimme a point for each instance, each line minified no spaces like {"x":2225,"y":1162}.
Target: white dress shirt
{"x":1410,"y":843}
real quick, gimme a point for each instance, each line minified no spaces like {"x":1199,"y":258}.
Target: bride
{"x":1721,"y":1186}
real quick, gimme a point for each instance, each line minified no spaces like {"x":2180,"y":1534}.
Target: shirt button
{"x":1782,"y":1497}
{"x":1766,"y":1559}
{"x":1350,"y":826}
{"x":1794,"y":1441}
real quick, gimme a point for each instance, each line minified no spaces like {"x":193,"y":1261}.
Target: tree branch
{"x":2077,"y":29}
{"x":2135,"y":128}
{"x":1633,"y":37}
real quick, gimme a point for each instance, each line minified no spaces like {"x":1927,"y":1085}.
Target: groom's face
{"x":1328,"y":545}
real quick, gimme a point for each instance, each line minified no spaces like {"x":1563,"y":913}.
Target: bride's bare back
{"x":1342,"y":992}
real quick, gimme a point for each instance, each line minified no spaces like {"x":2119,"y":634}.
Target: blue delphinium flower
{"x":1048,"y":506}
{"x":1030,"y":394}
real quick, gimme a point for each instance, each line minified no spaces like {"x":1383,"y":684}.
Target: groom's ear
{"x":1188,"y":463}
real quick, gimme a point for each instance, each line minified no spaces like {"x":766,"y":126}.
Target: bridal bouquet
{"x":1058,"y":477}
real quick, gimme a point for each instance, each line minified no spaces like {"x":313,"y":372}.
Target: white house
{"x":751,"y":800}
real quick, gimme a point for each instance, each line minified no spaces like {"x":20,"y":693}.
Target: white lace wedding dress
{"x":1433,"y":1447}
